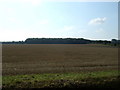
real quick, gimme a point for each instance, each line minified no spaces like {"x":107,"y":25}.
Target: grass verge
{"x":99,"y":79}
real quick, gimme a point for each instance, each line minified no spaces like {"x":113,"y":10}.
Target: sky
{"x":22,"y":19}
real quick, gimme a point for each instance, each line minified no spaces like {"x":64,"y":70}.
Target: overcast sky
{"x":21,"y":19}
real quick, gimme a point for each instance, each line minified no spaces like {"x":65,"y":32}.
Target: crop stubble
{"x":57,"y":58}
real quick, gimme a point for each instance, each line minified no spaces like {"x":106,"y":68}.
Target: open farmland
{"x":59,"y":66}
{"x":57,"y":58}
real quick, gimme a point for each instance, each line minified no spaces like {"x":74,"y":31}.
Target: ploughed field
{"x":19,"y":59}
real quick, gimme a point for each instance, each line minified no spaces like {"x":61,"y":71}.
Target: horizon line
{"x":63,"y":38}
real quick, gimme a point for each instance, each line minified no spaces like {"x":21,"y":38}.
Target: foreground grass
{"x":100,"y":79}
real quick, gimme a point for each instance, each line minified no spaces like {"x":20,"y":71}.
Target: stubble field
{"x":57,"y":58}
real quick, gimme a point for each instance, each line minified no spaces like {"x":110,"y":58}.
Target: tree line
{"x":63,"y":41}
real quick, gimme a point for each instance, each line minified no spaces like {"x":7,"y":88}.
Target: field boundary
{"x":99,"y":79}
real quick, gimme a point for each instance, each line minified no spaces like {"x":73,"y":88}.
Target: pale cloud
{"x":36,"y":2}
{"x":33,"y":2}
{"x":17,"y":34}
{"x":65,"y":29}
{"x":13,"y":20}
{"x":7,"y":34}
{"x":97,"y":21}
{"x":82,"y":31}
{"x":9,"y":10}
{"x":101,"y":30}
{"x":68,"y":28}
{"x":43,"y":22}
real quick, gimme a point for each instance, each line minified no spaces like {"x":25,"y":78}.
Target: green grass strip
{"x":59,"y":79}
